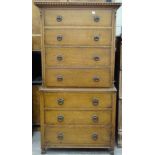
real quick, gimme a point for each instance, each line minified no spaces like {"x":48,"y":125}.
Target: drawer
{"x":77,"y":135}
{"x":78,"y":36}
{"x":80,"y":17}
{"x":94,"y":100}
{"x":78,"y":77}
{"x":90,"y":117}
{"x":78,"y":57}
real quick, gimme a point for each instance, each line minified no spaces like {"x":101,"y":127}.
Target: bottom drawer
{"x":77,"y":135}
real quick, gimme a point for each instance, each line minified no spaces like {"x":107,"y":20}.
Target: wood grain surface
{"x":78,"y":17}
{"x":78,"y":36}
{"x":35,"y":105}
{"x":36,"y":26}
{"x":78,"y":100}
{"x":77,"y":135}
{"x":78,"y":77}
{"x":78,"y":57}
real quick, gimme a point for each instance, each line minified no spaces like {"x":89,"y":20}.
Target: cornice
{"x":49,"y":3}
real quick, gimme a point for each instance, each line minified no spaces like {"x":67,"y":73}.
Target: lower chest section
{"x":78,"y":117}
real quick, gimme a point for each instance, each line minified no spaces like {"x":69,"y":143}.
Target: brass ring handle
{"x":96,"y":18}
{"x":94,"y":136}
{"x":59,"y":18}
{"x":60,"y":136}
{"x":95,"y":118}
{"x":59,"y":37}
{"x":96,"y":58}
{"x":59,"y":58}
{"x":60,"y":101}
{"x":60,"y":118}
{"x":96,"y":38}
{"x":95,"y":102}
{"x":59,"y":78}
{"x":96,"y":79}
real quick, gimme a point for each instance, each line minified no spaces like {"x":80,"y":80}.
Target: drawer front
{"x":85,"y":36}
{"x":78,"y":77}
{"x":80,"y":17}
{"x":78,"y":57}
{"x":77,"y":100}
{"x":61,"y":117}
{"x":76,"y":135}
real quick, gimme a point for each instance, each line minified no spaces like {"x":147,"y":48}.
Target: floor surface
{"x":36,"y":149}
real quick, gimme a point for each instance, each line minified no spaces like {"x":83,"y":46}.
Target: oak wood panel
{"x":35,"y":105}
{"x":86,"y":117}
{"x":78,"y":57}
{"x":36,"y":25}
{"x":35,"y":19}
{"x":113,"y":120}
{"x":80,"y":17}
{"x":78,"y":100}
{"x":113,"y":42}
{"x":78,"y":36}
{"x":77,"y":135}
{"x":42,"y":121}
{"x":78,"y":77}
{"x":36,"y":42}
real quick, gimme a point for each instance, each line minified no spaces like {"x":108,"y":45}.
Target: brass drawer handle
{"x":60,"y":136}
{"x":96,"y":79}
{"x":94,"y":136}
{"x":59,"y":18}
{"x":96,"y":58}
{"x":59,"y":58}
{"x":96,"y":38}
{"x":59,"y":37}
{"x":60,"y":101}
{"x":95,"y":102}
{"x":95,"y":118}
{"x":59,"y":78}
{"x":96,"y":18}
{"x":60,"y":118}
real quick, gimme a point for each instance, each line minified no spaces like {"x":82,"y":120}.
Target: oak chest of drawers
{"x":78,"y":95}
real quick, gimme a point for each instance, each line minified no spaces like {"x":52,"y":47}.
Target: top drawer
{"x":80,"y":17}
